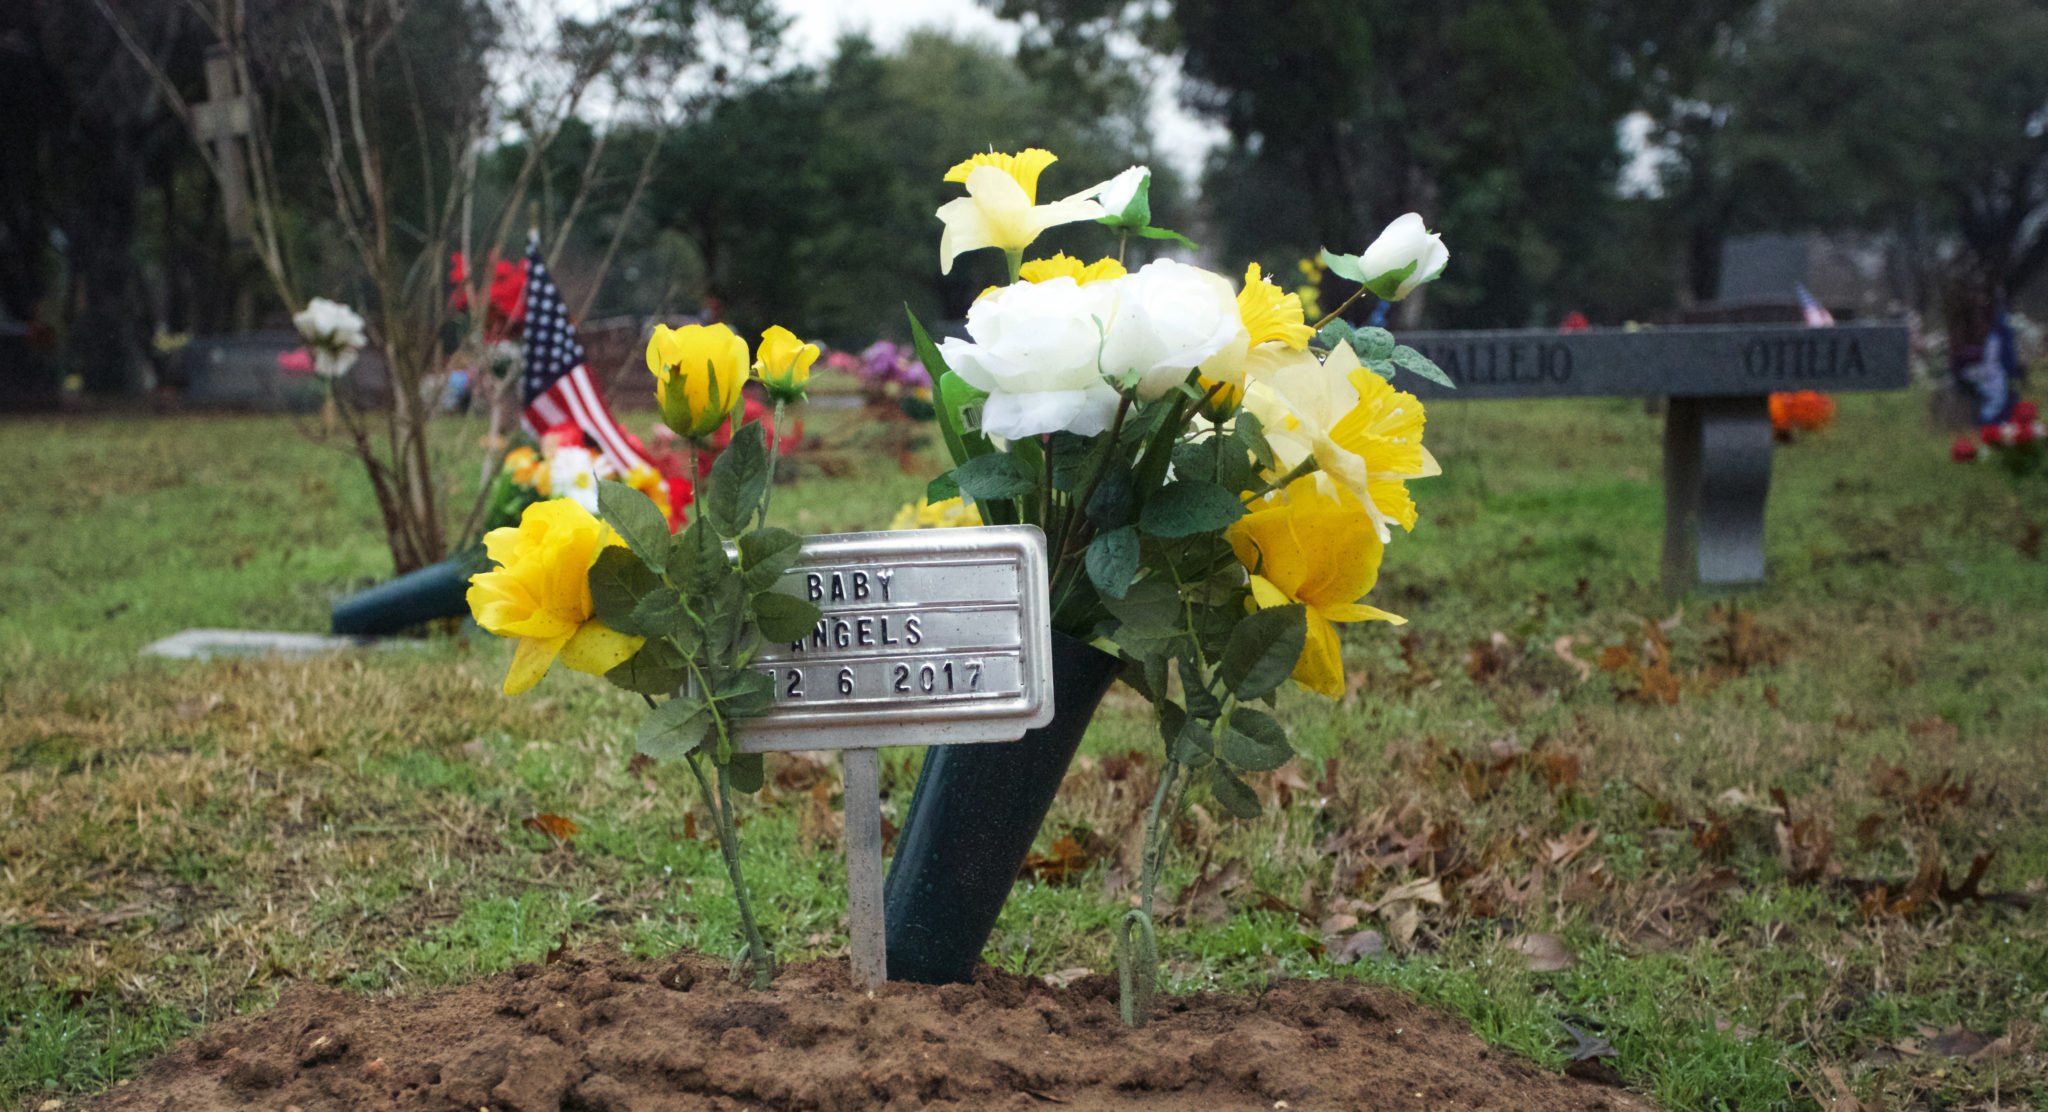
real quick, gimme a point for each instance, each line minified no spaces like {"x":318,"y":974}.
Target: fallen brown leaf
{"x":554,"y":826}
{"x":1545,"y":953}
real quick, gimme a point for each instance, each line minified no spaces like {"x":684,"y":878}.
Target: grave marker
{"x":223,"y":121}
{"x":1717,"y":427}
{"x":936,"y":637}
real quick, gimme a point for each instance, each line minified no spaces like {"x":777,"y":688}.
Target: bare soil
{"x":605,"y":1034}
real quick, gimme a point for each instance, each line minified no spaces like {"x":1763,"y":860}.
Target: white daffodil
{"x":1001,"y":208}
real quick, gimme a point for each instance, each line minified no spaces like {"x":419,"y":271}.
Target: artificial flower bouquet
{"x":2019,"y":443}
{"x":1800,"y":411}
{"x":602,"y":584}
{"x":1217,"y":477}
{"x":563,"y":465}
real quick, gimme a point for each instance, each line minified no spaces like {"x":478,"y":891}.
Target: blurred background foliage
{"x":1590,"y":155}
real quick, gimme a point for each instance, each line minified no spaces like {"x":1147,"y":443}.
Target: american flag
{"x":1816,"y":314}
{"x":557,"y":387}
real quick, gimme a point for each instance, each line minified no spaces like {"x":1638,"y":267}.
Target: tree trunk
{"x":112,"y":321}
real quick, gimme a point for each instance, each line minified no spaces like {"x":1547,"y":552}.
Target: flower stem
{"x":1138,"y":937}
{"x":1339,"y":310}
{"x":720,"y":804}
{"x":1016,"y":261}
{"x":774,"y":455}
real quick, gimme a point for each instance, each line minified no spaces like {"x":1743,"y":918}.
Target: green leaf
{"x":672,"y":729}
{"x":1073,"y":460}
{"x":952,"y":394}
{"x":1195,"y":459}
{"x":1171,"y":719}
{"x":746,"y":694}
{"x":657,"y":669}
{"x":618,"y":581}
{"x":1112,"y":561}
{"x":1113,"y":502}
{"x":1185,"y":507}
{"x":638,"y":521}
{"x":1254,"y":741}
{"x":1373,"y":343}
{"x":1336,"y":332}
{"x":738,"y":482}
{"x":657,"y":614}
{"x":1193,"y":744}
{"x":1416,"y":363}
{"x":1137,"y":213}
{"x":766,"y":553}
{"x":1251,"y":434}
{"x":697,"y":561}
{"x":1149,"y":605}
{"x":1167,"y":233}
{"x":1263,"y":650}
{"x":998,"y":475}
{"x":942,"y":488}
{"x":1387,"y":287}
{"x":1343,"y":266}
{"x":784,"y":618}
{"x":746,"y":772}
{"x":1235,"y":795}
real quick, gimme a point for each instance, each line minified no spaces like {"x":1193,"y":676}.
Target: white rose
{"x":1405,"y":242}
{"x":328,"y":363}
{"x":1169,"y":318}
{"x":330,"y":325}
{"x":572,"y":474}
{"x":1033,"y":349}
{"x":1117,"y":193}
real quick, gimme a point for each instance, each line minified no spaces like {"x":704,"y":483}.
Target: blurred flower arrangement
{"x":2018,"y":444}
{"x":1800,"y":411}
{"x":1217,"y":477}
{"x":563,"y":465}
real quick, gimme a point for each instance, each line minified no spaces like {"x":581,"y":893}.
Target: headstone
{"x":222,"y":120}
{"x":205,"y":644}
{"x":246,"y":371}
{"x":936,"y":637}
{"x":1717,"y":433}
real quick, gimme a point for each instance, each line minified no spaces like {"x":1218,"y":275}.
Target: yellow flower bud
{"x":698,"y":372}
{"x":783,"y":364}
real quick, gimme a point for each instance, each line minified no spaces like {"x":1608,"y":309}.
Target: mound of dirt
{"x":604,"y":1034}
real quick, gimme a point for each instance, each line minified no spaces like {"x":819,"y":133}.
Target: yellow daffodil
{"x":649,"y":482}
{"x":1321,"y":549}
{"x":698,"y":372}
{"x":540,"y":593}
{"x":783,"y":364}
{"x":1066,"y":266}
{"x":950,"y":513}
{"x":1302,"y":402}
{"x":1269,"y":318}
{"x":1001,"y":208}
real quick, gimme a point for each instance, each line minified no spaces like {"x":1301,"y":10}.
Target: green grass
{"x":178,"y":840}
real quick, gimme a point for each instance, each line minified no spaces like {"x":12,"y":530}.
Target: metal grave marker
{"x":1717,"y":426}
{"x":933,"y":637}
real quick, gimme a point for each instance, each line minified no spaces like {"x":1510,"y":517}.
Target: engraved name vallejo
{"x":1816,"y":355}
{"x":937,"y":631}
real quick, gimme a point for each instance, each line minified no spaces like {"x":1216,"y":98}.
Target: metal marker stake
{"x":864,"y":926}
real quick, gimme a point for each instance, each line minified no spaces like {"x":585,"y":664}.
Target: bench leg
{"x":1717,"y":476}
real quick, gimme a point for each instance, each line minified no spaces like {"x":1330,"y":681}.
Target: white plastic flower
{"x":1117,"y":193}
{"x":1404,"y":244}
{"x":572,"y":474}
{"x":1033,"y":349}
{"x":1170,"y":317}
{"x":335,"y":334}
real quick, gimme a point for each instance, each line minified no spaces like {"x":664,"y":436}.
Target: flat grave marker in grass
{"x":936,"y":637}
{"x":1717,"y":428}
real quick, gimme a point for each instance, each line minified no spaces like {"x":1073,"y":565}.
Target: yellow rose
{"x":1318,"y":548}
{"x":783,"y":363}
{"x":698,"y":372}
{"x":540,"y":593}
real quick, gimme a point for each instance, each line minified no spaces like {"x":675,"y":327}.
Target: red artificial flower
{"x":1805,"y":410}
{"x":1988,"y":434}
{"x":564,"y":435}
{"x":508,"y":290}
{"x":1963,"y":450}
{"x":458,"y":279}
{"x":2025,"y":412}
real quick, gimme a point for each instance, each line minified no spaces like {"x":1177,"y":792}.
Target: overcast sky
{"x":817,"y":25}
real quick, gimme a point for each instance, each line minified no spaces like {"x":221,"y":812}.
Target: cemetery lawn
{"x":1761,"y":854}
